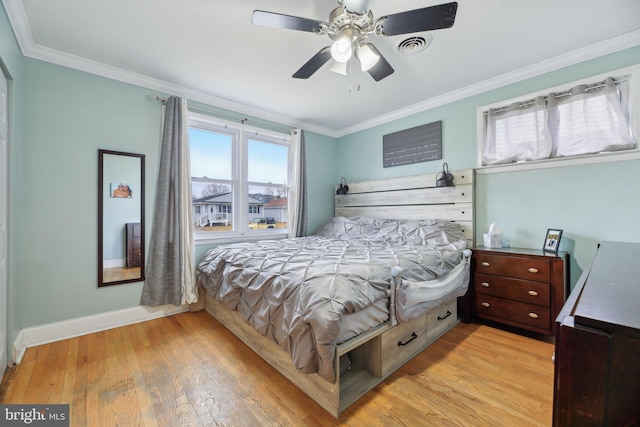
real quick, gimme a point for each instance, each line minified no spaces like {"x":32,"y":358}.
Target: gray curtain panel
{"x":163,"y":284}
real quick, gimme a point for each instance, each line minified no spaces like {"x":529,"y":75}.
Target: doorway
{"x":4,"y":136}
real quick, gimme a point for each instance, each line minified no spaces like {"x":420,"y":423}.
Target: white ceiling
{"x":208,"y":50}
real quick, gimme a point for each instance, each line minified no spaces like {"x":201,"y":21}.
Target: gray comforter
{"x":295,"y":291}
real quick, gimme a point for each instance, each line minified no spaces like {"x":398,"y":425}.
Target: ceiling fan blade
{"x":314,"y":64}
{"x":418,"y":20}
{"x":382,"y":68}
{"x":278,"y":20}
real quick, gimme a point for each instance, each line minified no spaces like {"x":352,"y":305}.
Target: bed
{"x":339,"y":311}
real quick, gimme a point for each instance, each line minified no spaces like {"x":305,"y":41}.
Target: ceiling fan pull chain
{"x":353,"y":87}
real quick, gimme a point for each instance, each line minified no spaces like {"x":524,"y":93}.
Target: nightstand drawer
{"x":536,"y":269}
{"x":521,"y":290}
{"x":513,"y":312}
{"x":402,"y":342}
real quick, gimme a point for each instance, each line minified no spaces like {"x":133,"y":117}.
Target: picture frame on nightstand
{"x":552,"y":241}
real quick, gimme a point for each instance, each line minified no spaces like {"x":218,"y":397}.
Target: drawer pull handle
{"x":484,"y":284}
{"x":533,"y":270}
{"x":533,"y":315}
{"x":485,"y":264}
{"x":445,"y":316}
{"x":413,"y":337}
{"x":533,"y":293}
{"x":485,"y":304}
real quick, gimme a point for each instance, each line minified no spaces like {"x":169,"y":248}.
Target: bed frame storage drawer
{"x":441,"y":319}
{"x":401,"y":343}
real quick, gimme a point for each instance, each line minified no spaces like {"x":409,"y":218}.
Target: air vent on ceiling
{"x":413,"y":45}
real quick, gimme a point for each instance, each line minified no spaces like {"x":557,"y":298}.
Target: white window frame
{"x":241,"y":133}
{"x":634,"y":109}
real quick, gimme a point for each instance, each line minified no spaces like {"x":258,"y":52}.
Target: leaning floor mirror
{"x":120,"y":217}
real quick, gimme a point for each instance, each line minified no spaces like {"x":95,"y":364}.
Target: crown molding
{"x":22,"y":30}
{"x":119,"y":74}
{"x":580,"y":55}
{"x":19,"y":22}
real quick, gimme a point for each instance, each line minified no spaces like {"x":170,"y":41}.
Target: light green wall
{"x":321,"y":154}
{"x":71,"y":114}
{"x":12,"y":65}
{"x":591,"y":203}
{"x":68,"y":116}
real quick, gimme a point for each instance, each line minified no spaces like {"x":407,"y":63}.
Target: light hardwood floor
{"x":120,"y":273}
{"x":187,"y":369}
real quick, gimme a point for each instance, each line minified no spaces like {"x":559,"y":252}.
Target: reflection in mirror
{"x":120,"y":217}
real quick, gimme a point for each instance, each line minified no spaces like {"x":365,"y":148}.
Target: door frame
{"x":4,"y":213}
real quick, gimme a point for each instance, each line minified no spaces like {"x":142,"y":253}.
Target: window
{"x":586,"y":119}
{"x":239,"y":179}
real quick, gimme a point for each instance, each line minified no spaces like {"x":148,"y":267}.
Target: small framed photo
{"x":552,"y":240}
{"x":121,"y":191}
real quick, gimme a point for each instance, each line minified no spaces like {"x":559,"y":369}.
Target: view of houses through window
{"x":239,"y":179}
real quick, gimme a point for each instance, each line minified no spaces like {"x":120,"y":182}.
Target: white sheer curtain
{"x":585,"y":120}
{"x":171,"y":265}
{"x":589,"y":120}
{"x":297,"y":203}
{"x":516,"y":133}
{"x":188,"y":250}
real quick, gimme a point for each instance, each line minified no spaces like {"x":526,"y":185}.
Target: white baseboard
{"x":37,"y":335}
{"x":114,"y":263}
{"x":18,"y":348}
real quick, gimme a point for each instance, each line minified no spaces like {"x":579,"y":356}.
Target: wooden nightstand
{"x":525,"y":288}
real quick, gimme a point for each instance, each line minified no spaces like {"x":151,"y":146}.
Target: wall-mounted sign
{"x":415,"y":145}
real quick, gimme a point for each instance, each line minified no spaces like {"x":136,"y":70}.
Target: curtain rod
{"x":559,"y":95}
{"x":232,"y":117}
{"x":156,"y":98}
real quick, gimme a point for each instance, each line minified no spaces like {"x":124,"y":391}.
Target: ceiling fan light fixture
{"x":368,"y":58}
{"x":359,"y":7}
{"x":351,"y":23}
{"x":341,"y":50}
{"x":339,"y":67}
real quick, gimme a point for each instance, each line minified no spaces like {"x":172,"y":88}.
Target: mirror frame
{"x":101,"y":195}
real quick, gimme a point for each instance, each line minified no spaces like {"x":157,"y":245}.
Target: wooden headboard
{"x":413,"y":197}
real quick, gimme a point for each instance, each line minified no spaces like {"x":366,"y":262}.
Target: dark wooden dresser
{"x":134,"y":244}
{"x":597,"y":359}
{"x":525,"y":288}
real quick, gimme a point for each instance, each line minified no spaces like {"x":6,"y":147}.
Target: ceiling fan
{"x":350,"y":24}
